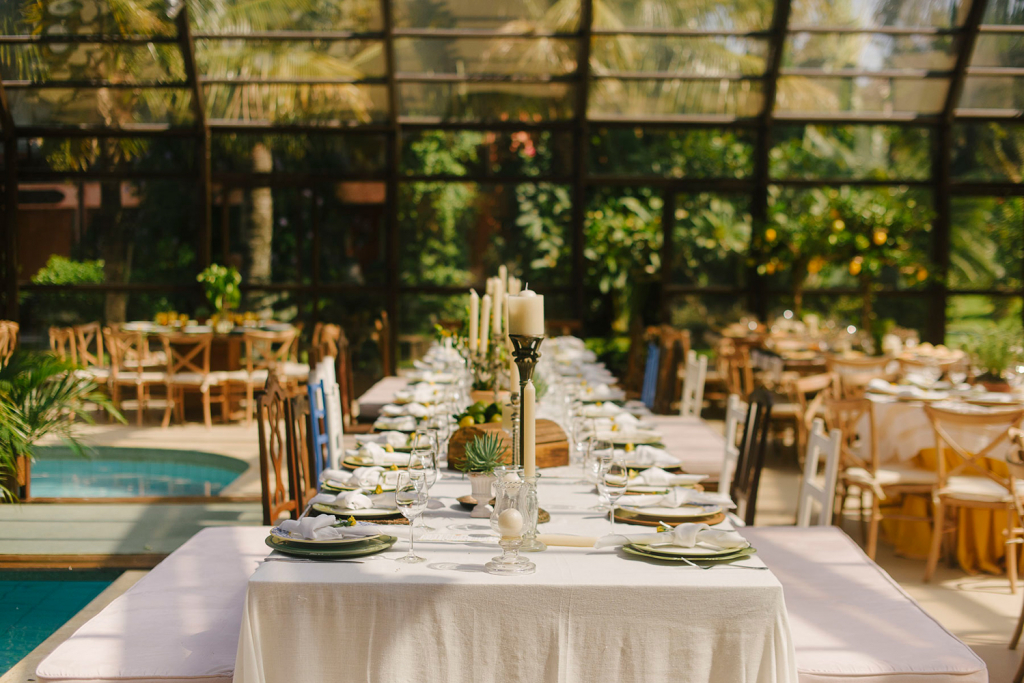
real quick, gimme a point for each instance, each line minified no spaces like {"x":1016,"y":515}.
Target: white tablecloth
{"x":904,"y":430}
{"x":699,"y":446}
{"x":585,"y":616}
{"x":379,"y":395}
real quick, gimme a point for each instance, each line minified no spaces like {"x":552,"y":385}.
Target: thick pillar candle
{"x":526,"y":314}
{"x":529,"y":427}
{"x":485,"y":323}
{"x":474,"y":318}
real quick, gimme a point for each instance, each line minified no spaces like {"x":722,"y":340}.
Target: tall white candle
{"x":474,"y":318}
{"x":485,"y":323}
{"x":497,"y":306}
{"x":503,"y":275}
{"x":514,"y":285}
{"x":529,"y":427}
{"x":526,"y":313}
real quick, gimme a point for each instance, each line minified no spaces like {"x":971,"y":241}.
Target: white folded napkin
{"x":625,"y":419}
{"x":678,"y":497}
{"x":645,"y":456}
{"x":357,"y":500}
{"x":322,"y":528}
{"x":417,"y":410}
{"x":655,"y":476}
{"x":379,"y":456}
{"x":402,"y":422}
{"x":603,"y":410}
{"x":684,"y":536}
{"x":392,"y":410}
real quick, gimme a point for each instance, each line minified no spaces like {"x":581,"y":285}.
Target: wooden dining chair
{"x":734,"y":367}
{"x":806,"y":397}
{"x":319,"y":429}
{"x":735,"y":418}
{"x":675,"y":347}
{"x":694,"y":376}
{"x":265,"y":353}
{"x":304,"y":482}
{"x":9,"y":331}
{"x":126,"y":348}
{"x":753,"y":448}
{"x":188,"y":369}
{"x":967,"y":480}
{"x":90,"y":351}
{"x":325,"y":342}
{"x":62,"y":343}
{"x":277,"y":469}
{"x":860,"y":470}
{"x":1015,"y":464}
{"x":854,"y":373}
{"x":819,"y":446}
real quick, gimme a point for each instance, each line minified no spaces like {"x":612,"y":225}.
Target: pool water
{"x":37,"y":603}
{"x":107,"y":472}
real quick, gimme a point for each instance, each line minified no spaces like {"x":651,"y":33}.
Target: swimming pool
{"x":37,"y":603}
{"x":108,"y":472}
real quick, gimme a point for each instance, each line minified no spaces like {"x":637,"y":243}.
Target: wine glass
{"x":958,"y":372}
{"x":600,"y":454}
{"x":423,"y":469}
{"x":612,"y":484}
{"x":411,"y":499}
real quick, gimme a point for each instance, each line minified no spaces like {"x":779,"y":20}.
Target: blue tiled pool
{"x":108,"y":472}
{"x":37,"y":603}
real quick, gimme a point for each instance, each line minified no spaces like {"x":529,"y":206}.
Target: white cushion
{"x":850,"y":621}
{"x":195,"y":379}
{"x":980,"y":489}
{"x":100,"y":375}
{"x":179,"y":623}
{"x":132,"y":377}
{"x":291,"y":369}
{"x":258,"y":377}
{"x":891,"y":475}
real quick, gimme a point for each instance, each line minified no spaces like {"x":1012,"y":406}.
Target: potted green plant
{"x":993,"y":354}
{"x":483,"y":455}
{"x":40,"y":396}
{"x":221,"y":285}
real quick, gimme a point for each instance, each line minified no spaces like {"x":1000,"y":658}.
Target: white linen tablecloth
{"x":379,"y":395}
{"x":585,"y":616}
{"x":699,"y":447}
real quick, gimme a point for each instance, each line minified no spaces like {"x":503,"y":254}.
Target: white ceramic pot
{"x":481,"y":483}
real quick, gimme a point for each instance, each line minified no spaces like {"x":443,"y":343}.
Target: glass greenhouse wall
{"x":678,"y":161}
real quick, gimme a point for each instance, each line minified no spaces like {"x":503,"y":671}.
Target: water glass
{"x":612,"y":484}
{"x":411,"y":500}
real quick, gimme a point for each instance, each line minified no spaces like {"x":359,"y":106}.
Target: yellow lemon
{"x":615,"y":427}
{"x":632,"y":474}
{"x":379,"y":490}
{"x":394,"y":468}
{"x":855,"y":267}
{"x":389,"y":448}
{"x":629,"y":448}
{"x":880,"y":237}
{"x":770,"y":234}
{"x":838,"y":225}
{"x":496,"y":418}
{"x":467,"y":421}
{"x":599,"y":404}
{"x":351,"y":521}
{"x":922,"y":275}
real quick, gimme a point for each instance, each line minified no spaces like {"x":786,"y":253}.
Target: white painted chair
{"x":325,"y":372}
{"x":735,"y":415}
{"x":819,"y":445}
{"x":693,"y":385}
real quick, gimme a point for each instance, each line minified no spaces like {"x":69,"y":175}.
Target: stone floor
{"x":980,"y":610}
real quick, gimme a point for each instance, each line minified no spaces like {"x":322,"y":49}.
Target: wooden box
{"x":552,"y":444}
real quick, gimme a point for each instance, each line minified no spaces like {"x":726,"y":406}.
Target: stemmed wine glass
{"x":411,"y":499}
{"x":423,"y":468}
{"x":612,"y":484}
{"x":600,"y":455}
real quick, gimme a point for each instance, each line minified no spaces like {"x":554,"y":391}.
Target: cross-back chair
{"x":854,"y":373}
{"x":382,"y":335}
{"x":277,"y":468}
{"x":90,"y":353}
{"x":266,"y":353}
{"x":734,"y":367}
{"x":693,"y":385}
{"x":325,"y":342}
{"x":806,"y":396}
{"x":968,"y":481}
{"x":753,"y":447}
{"x":675,"y":348}
{"x":8,"y":339}
{"x":126,"y":348}
{"x":62,"y":343}
{"x":820,"y":446}
{"x":188,"y":368}
{"x":860,"y":469}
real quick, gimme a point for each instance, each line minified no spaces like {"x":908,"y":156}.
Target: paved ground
{"x":979,"y":610}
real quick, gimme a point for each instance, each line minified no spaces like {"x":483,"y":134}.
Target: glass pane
{"x":970,"y":318}
{"x":868,"y":13}
{"x":509,"y":56}
{"x":680,"y":56}
{"x":987,"y":250}
{"x":624,"y":237}
{"x":100,"y":107}
{"x":702,"y":153}
{"x":848,"y":236}
{"x":710,"y":239}
{"x":108,"y":154}
{"x":705,"y":314}
{"x":895,"y":153}
{"x":487,"y":153}
{"x":1004,"y":12}
{"x":297,"y":103}
{"x":160,"y":63}
{"x":486,"y":101}
{"x":352,"y":247}
{"x":298,"y":60}
{"x":43,"y":309}
{"x":311,"y":152}
{"x":142,"y":18}
{"x":993,"y":92}
{"x":999,"y":50}
{"x":459,"y":233}
{"x":356,"y":314}
{"x":241,"y":16}
{"x":988,"y":151}
{"x":617,"y":14}
{"x":869,"y":52}
{"x":644,"y":99}
{"x":514,"y":15}
{"x":799,"y":95}
{"x":417,"y":315}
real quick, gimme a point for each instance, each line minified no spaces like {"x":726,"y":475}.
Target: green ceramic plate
{"x":358,"y":461}
{"x":313,"y":543}
{"x":372,"y":546}
{"x":690,"y":553}
{"x":367,"y":515}
{"x":738,"y":555}
{"x":327,"y":486}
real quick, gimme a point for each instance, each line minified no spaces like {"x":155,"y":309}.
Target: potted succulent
{"x":483,"y":455}
{"x":993,"y":354}
{"x":220,"y":283}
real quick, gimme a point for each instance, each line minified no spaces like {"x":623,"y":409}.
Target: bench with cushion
{"x":179,"y":623}
{"x":850,"y":620}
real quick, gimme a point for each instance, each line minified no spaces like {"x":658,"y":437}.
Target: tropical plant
{"x":994,"y":351}
{"x":220,"y":283}
{"x":64,"y":307}
{"x":484,"y":454}
{"x":40,"y":397}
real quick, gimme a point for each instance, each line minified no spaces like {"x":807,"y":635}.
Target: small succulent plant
{"x":484,"y":453}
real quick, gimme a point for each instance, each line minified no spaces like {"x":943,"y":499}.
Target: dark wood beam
{"x":10,"y":203}
{"x":581,"y":154}
{"x":204,"y":186}
{"x":394,"y":156}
